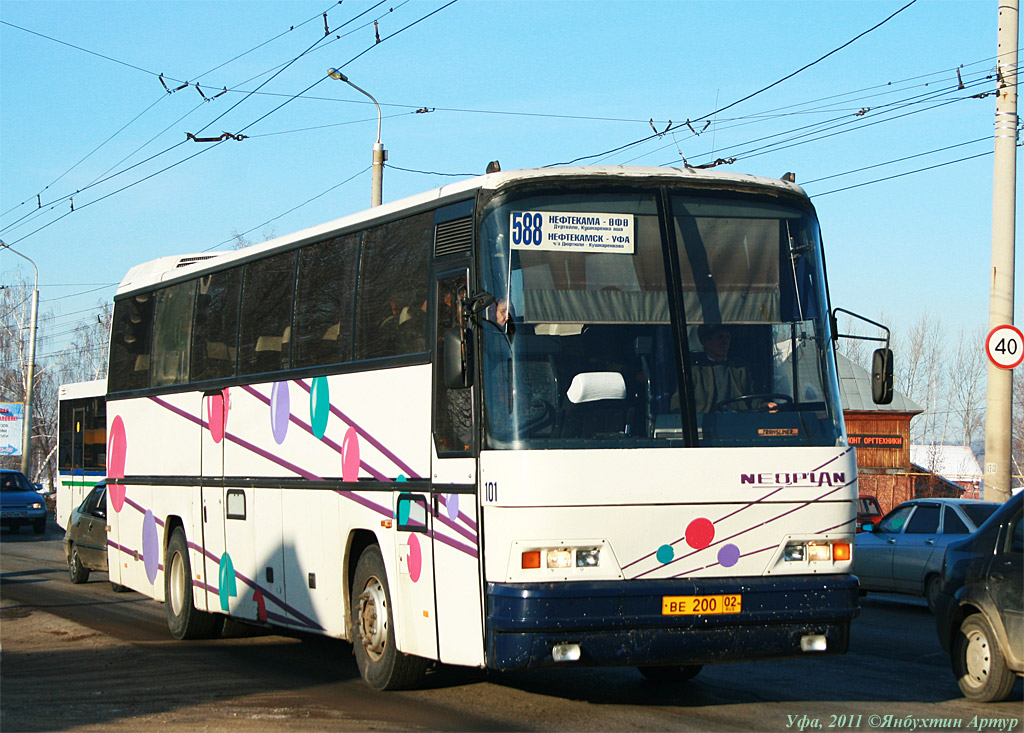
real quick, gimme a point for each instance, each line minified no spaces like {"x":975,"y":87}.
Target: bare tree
{"x":15,"y":325}
{"x":920,"y":376}
{"x":966,"y":377}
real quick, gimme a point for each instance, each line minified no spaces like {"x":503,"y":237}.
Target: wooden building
{"x":881,"y":435}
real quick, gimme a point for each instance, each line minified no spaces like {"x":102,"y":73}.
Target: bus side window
{"x":266,"y":317}
{"x":391,"y":320}
{"x":215,"y":337}
{"x":453,"y":408}
{"x":325,"y":302}
{"x":130,"y":337}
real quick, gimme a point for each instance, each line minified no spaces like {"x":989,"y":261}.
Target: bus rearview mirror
{"x":457,"y":362}
{"x":881,"y":376}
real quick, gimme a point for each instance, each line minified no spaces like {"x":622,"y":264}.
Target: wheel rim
{"x":978,"y":658}
{"x":373,"y":618}
{"x":75,"y":562}
{"x":177,"y":589}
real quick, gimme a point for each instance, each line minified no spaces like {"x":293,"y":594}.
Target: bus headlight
{"x":817,"y":551}
{"x":548,"y":560}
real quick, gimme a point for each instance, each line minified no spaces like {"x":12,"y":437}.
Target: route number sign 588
{"x":1005,"y":346}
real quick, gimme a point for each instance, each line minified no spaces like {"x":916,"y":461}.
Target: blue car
{"x":20,"y":503}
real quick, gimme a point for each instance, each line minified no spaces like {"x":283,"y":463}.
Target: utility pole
{"x":999,"y":400}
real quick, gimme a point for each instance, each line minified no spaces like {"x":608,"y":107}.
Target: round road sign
{"x":1005,"y":346}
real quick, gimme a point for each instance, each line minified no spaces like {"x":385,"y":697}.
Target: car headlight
{"x":36,"y":505}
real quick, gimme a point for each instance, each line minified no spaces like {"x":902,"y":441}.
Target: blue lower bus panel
{"x":620,"y":623}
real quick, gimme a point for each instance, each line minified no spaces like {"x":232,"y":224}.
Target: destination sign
{"x":572,"y":231}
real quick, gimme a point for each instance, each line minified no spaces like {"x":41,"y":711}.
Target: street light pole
{"x":379,"y":154}
{"x":26,"y":439}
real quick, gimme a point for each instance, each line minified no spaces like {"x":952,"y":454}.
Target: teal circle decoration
{"x":665,"y":554}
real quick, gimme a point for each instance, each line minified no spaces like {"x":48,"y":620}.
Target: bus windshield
{"x":593,"y":341}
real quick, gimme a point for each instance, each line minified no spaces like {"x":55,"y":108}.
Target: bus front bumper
{"x":620,"y":623}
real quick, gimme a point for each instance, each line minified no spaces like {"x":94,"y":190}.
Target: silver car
{"x":903,"y":552}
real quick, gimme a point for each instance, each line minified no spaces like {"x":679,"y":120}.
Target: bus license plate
{"x":700,"y":605}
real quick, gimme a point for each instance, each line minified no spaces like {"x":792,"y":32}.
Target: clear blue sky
{"x":526,"y":82}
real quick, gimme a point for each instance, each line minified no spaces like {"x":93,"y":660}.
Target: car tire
{"x":76,"y":570}
{"x":978,"y":662}
{"x":39,"y":526}
{"x":183,"y":618}
{"x":666,"y":675}
{"x":381,"y":665}
{"x":932,"y":585}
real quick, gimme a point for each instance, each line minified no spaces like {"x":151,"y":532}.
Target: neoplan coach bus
{"x":468,"y":427}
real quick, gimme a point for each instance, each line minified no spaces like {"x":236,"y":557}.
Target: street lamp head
{"x":337,"y":75}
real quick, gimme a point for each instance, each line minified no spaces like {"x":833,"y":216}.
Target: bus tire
{"x":76,"y":570}
{"x":665,"y":675}
{"x":183,"y":619}
{"x":380,"y":663}
{"x":978,"y":663}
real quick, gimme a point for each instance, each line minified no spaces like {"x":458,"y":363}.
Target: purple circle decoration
{"x":150,"y":546}
{"x":728,"y":556}
{"x":280,"y":411}
{"x":451,"y":503}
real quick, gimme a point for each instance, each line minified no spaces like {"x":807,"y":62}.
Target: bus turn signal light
{"x":840,"y":551}
{"x":531,"y":560}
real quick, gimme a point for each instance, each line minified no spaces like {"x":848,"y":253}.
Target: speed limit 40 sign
{"x":1005,"y":346}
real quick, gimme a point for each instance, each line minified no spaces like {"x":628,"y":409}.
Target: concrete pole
{"x":999,"y":400}
{"x":26,"y":454}
{"x":377,"y":174}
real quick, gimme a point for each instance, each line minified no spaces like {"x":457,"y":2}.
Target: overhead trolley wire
{"x":738,"y":101}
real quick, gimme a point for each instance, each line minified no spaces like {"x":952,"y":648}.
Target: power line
{"x":744,"y":99}
{"x":294,"y":208}
{"x":900,"y":175}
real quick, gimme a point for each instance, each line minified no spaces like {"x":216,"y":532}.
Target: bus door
{"x":453,"y":501}
{"x":212,"y":520}
{"x":77,"y":478}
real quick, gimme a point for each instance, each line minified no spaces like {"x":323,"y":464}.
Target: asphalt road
{"x":84,"y":658}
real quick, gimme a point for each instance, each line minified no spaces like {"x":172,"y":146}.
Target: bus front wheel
{"x":381,"y":664}
{"x":183,"y":618}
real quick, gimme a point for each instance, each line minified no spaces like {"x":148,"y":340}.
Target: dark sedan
{"x":85,"y":542}
{"x":979,"y":609}
{"x":20,"y":503}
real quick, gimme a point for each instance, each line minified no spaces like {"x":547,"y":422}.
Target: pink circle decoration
{"x":350,"y":456}
{"x":261,"y":605}
{"x":117,"y":451}
{"x":150,"y":546}
{"x":415,"y":558}
{"x":280,"y":411}
{"x":217,"y":414}
{"x":699,"y":533}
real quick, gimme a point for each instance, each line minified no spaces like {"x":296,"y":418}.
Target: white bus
{"x":463,"y":427}
{"x":81,"y":443}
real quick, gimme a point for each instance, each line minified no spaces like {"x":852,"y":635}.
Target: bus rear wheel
{"x":183,"y":618}
{"x":380,"y":663}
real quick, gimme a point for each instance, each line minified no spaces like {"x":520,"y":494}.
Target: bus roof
{"x":151,"y":273}
{"x":76,"y":390}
